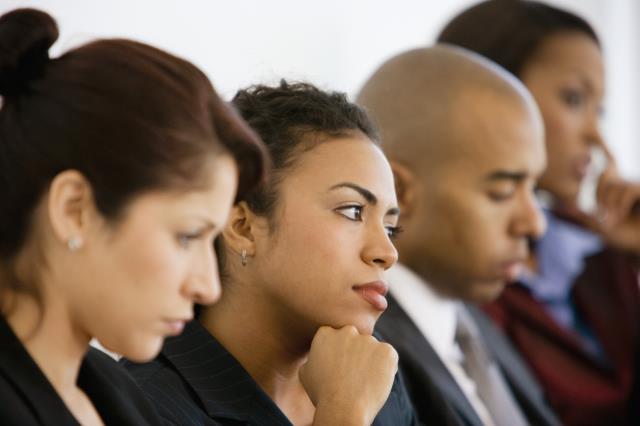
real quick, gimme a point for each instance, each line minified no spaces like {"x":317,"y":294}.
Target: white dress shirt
{"x":435,"y":317}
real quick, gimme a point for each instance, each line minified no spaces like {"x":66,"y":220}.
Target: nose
{"x":203,"y":283}
{"x":378,"y":249}
{"x":529,"y":220}
{"x":593,"y":134}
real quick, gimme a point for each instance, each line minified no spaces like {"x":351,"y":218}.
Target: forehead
{"x":497,"y":132}
{"x":210,"y":198}
{"x":346,"y":159}
{"x":571,"y":53}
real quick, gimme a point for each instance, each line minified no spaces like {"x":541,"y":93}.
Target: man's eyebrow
{"x":507,"y":175}
{"x":366,"y":194}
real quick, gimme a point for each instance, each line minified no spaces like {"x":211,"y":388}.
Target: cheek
{"x":479,"y":229}
{"x":562,"y":134}
{"x":310,"y":263}
{"x":151,"y":268}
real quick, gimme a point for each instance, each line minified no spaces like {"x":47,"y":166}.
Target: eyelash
{"x":500,"y":197}
{"x":184,"y":240}
{"x":572,"y":97}
{"x":358,"y":215}
{"x":392,"y":231}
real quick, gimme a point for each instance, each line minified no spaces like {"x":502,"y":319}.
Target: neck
{"x":260,"y":337}
{"x":49,"y":336}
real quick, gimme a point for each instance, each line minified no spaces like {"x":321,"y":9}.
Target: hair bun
{"x":25,"y":38}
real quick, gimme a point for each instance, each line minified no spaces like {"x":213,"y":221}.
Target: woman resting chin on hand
{"x":302,"y":259}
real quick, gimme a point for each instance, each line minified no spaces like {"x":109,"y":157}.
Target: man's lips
{"x":512,"y":269}
{"x":374,"y":293}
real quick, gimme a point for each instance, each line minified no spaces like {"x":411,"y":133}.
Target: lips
{"x":374,"y":293}
{"x":175,"y":326}
{"x":581,"y":166}
{"x":512,"y":269}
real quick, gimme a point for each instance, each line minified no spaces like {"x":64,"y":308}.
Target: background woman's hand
{"x":619,"y":213}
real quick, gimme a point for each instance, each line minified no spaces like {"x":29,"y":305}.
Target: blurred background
{"x":335,"y":44}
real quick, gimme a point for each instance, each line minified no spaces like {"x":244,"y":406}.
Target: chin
{"x":364,"y":323}
{"x":140,"y":350}
{"x":487,"y":292}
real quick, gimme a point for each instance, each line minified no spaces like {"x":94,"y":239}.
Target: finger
{"x":630,"y":196}
{"x":589,"y":221}
{"x":609,"y":204}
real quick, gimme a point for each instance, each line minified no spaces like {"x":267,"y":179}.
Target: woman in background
{"x":575,"y":313}
{"x":118,"y":167}
{"x":303,"y":260}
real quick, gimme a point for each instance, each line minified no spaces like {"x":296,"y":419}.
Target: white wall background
{"x":333,"y":43}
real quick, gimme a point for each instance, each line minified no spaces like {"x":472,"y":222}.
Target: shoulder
{"x":168,"y":392}
{"x":15,"y":410}
{"x":111,"y":371}
{"x":104,"y":379}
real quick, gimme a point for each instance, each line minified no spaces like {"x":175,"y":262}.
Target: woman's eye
{"x":351,"y":212}
{"x":184,"y":240}
{"x":393,"y":231}
{"x":573,"y":98}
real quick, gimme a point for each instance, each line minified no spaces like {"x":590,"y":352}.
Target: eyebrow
{"x":366,"y":194}
{"x":207,"y":224}
{"x":507,"y":175}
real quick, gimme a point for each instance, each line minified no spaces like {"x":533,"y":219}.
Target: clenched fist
{"x":348,"y":376}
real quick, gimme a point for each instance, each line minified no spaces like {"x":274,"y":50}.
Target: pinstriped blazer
{"x":196,"y":381}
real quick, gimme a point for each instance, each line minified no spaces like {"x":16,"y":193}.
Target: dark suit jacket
{"x":428,"y":379}
{"x":583,"y":389}
{"x":27,"y":398}
{"x":196,"y":381}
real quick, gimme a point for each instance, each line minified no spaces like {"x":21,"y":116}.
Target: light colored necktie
{"x":491,"y":386}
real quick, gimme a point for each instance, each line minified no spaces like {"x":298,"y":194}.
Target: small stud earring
{"x":74,"y":243}
{"x":243,"y":257}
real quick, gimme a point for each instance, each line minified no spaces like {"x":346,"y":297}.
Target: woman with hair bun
{"x":118,"y":168}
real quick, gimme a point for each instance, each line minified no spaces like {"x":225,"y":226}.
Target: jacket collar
{"x":30,"y":382}
{"x":225,"y":389}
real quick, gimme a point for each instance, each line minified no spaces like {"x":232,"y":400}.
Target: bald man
{"x":466,"y":144}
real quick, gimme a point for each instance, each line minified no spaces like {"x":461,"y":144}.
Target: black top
{"x":196,"y":381}
{"x":27,"y":398}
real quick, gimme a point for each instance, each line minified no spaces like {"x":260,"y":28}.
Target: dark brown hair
{"x":131,"y":118}
{"x":509,"y":32}
{"x":292,"y":118}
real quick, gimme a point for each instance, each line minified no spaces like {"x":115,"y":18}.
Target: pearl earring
{"x":74,"y":243}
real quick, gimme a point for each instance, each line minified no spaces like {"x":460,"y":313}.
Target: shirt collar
{"x":434,"y":315}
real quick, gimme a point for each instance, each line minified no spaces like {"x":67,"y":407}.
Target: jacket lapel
{"x":397,"y":328}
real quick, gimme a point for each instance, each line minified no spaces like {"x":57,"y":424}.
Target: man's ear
{"x":406,"y":187}
{"x":70,"y":207}
{"x":240,"y":232}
